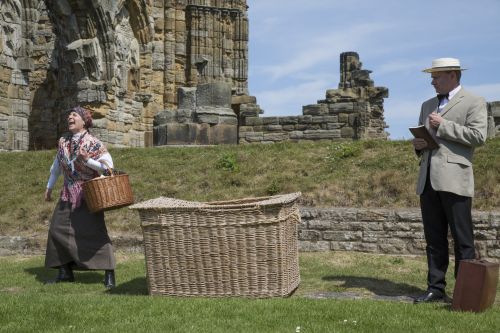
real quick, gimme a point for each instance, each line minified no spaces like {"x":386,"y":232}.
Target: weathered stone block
{"x":321,"y":134}
{"x":480,"y":217}
{"x":315,"y":109}
{"x":375,"y":215}
{"x":333,"y":126}
{"x":341,"y":108}
{"x":314,"y":246}
{"x":214,"y":94}
{"x":304,"y":119}
{"x":346,"y":246}
{"x":253,"y":136}
{"x":274,"y":128}
{"x":296,"y":135}
{"x":253,"y":121}
{"x":270,"y":121}
{"x":163,"y":117}
{"x":318,"y":120}
{"x":288,"y":128}
{"x":360,"y":226}
{"x":370,"y":236}
{"x":485,"y":234}
{"x":186,"y":97}
{"x":408,"y":215}
{"x":343,"y":235}
{"x":343,"y":118}
{"x":208,"y":118}
{"x":216,"y":115}
{"x":288,"y":120}
{"x":228,"y":120}
{"x":396,"y":226}
{"x":223,"y":134}
{"x":181,"y":134}
{"x":275,"y":137}
{"x":245,"y":129}
{"x":309,"y":235}
{"x":243,"y":99}
{"x":321,"y":225}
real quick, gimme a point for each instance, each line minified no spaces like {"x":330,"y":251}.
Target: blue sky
{"x":295,"y":46}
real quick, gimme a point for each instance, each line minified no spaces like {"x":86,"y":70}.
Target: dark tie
{"x":442,"y":96}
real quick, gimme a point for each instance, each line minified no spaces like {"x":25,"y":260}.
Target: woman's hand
{"x":48,"y":194}
{"x":83,"y":154}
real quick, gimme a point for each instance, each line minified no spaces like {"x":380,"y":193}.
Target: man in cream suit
{"x":458,"y":122}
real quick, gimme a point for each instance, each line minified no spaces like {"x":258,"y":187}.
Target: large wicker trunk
{"x":242,"y":247}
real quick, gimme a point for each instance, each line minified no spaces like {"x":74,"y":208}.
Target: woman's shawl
{"x":74,"y":169}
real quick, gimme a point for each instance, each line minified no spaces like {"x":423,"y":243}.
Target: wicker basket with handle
{"x":108,"y":192}
{"x":245,"y":247}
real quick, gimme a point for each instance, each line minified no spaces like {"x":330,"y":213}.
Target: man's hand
{"x":435,"y":120}
{"x":419,"y":144}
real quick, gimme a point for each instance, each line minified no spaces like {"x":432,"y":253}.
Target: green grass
{"x":352,"y":174}
{"x":27,"y":305}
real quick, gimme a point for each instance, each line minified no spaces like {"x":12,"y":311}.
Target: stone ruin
{"x":157,"y":72}
{"x":353,"y":111}
{"x":493,"y":119}
{"x":125,"y":60}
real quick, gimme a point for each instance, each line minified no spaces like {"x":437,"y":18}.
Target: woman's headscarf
{"x":85,"y":114}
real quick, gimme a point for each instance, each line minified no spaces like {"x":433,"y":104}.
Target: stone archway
{"x":95,"y":61}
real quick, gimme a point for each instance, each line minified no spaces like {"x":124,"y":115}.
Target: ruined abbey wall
{"x":353,"y":111}
{"x":125,"y":60}
{"x":158,"y":72}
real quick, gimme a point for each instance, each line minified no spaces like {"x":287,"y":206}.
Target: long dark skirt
{"x":79,"y":238}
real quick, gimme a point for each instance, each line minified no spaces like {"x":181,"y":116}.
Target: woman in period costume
{"x":78,"y":239}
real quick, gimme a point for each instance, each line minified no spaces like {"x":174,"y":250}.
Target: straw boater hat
{"x":444,"y":64}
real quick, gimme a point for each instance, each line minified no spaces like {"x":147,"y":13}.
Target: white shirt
{"x":445,"y":100}
{"x":55,"y":169}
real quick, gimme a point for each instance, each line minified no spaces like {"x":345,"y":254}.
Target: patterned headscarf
{"x":85,"y":114}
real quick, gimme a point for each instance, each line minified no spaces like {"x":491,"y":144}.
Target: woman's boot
{"x":65,"y":274}
{"x":109,"y":279}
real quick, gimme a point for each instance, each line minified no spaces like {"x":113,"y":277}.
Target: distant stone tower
{"x":364,"y":101}
{"x":126,"y":60}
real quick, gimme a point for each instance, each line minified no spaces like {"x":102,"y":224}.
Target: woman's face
{"x":75,"y":123}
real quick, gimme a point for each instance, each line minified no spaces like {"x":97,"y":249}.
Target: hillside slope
{"x":354,"y":174}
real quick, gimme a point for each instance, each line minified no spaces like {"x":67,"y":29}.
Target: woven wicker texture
{"x":244,"y":247}
{"x":110,"y":192}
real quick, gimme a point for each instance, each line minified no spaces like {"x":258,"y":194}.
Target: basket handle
{"x":110,"y":170}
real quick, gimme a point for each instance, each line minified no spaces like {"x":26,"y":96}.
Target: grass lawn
{"x":27,"y":305}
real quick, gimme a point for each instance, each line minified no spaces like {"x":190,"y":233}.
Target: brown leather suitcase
{"x":476,"y":285}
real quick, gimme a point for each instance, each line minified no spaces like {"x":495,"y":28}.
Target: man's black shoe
{"x":431,"y":296}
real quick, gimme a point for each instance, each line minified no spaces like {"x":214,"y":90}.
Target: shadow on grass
{"x":380,"y":287}
{"x":43,"y":274}
{"x":137,"y":286}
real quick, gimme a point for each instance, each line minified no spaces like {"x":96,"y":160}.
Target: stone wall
{"x":493,"y":119}
{"x":384,"y":231}
{"x":126,"y":60}
{"x":203,"y":116}
{"x":353,"y":111}
{"x":129,"y":60}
